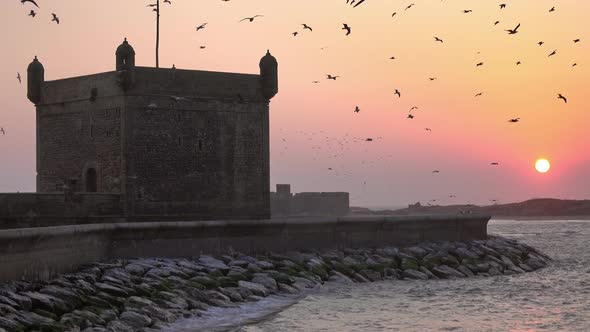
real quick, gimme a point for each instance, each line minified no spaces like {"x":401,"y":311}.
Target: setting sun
{"x":542,"y":165}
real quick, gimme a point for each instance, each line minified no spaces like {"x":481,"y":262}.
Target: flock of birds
{"x":332,"y":77}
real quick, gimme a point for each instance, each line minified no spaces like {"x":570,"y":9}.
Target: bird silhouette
{"x":575,"y":64}
{"x":552,"y":9}
{"x":438,"y":39}
{"x":202,"y":47}
{"x":576,"y":41}
{"x":479,"y":64}
{"x":514,"y":120}
{"x":32,"y":13}
{"x":467,"y":11}
{"x":427,"y":129}
{"x":494,"y":164}
{"x":357,"y":109}
{"x":497,"y":22}
{"x":369,"y":140}
{"x":502,"y":6}
{"x":552,"y":54}
{"x":391,"y":58}
{"x":251,"y":19}
{"x":399,"y":94}
{"x":436,"y":171}
{"x":330,"y":77}
{"x":55,"y":18}
{"x":410,"y":116}
{"x":560,"y":96}
{"x":410,"y":6}
{"x":315,"y":82}
{"x":305,"y":26}
{"x":347,"y":28}
{"x":2,"y":131}
{"x":513,"y":31}
{"x":413,"y":108}
{"x":168,"y":2}
{"x":394,"y":13}
{"x":541,"y":43}
{"x":518,"y":63}
{"x":31,"y":1}
{"x":18,"y":78}
{"x":201,"y":27}
{"x":432,"y":78}
{"x":295,"y":34}
{"x":479,"y":94}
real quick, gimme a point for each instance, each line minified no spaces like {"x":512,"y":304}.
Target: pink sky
{"x":313,"y":126}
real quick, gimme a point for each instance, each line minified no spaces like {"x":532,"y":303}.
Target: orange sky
{"x":313,"y":126}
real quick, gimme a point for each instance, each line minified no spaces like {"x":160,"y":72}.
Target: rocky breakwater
{"x":146,"y":294}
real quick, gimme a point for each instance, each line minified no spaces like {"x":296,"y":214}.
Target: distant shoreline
{"x":533,"y":218}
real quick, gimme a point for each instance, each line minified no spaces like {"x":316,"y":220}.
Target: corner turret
{"x":35,"y":78}
{"x":269,"y":76}
{"x":125,"y":55}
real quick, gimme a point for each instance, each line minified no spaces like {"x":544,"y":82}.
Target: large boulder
{"x":135,"y":320}
{"x":255,"y":288}
{"x":414,"y":274}
{"x":446,"y":272}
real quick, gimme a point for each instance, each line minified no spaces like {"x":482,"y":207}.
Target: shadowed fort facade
{"x":172,"y":144}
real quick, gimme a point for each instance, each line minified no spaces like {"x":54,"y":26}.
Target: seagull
{"x":575,"y":64}
{"x":295,"y":34}
{"x":502,"y":6}
{"x":315,"y":82}
{"x":576,"y":40}
{"x":413,"y":108}
{"x":560,"y":96}
{"x":494,"y":164}
{"x":168,"y":2}
{"x":436,"y":171}
{"x":394,"y":13}
{"x":330,"y":77}
{"x":357,"y":109}
{"x":347,"y":28}
{"x":201,"y":27}
{"x":432,"y":78}
{"x":2,"y":131}
{"x":392,"y":58}
{"x":479,"y":94}
{"x":479,"y":64}
{"x":369,"y":140}
{"x":55,"y":18}
{"x":251,"y":19}
{"x":541,"y":43}
{"x":202,"y":47}
{"x":32,"y":13}
{"x":305,"y":26}
{"x":497,"y":22}
{"x":410,"y":116}
{"x":31,"y":1}
{"x":410,"y":6}
{"x":552,"y":53}
{"x":552,"y":9}
{"x":427,"y":129}
{"x":438,"y":39}
{"x":515,"y":120}
{"x":513,"y":31}
{"x":399,"y":94}
{"x":18,"y":78}
{"x":467,"y":11}
{"x":518,"y":63}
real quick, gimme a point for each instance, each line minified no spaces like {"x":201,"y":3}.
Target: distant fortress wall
{"x":45,"y":252}
{"x":284,"y":203}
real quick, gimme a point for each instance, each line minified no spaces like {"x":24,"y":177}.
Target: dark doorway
{"x":91,"y":180}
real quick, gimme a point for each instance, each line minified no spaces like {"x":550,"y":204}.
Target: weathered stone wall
{"x":25,"y":210}
{"x":310,"y":204}
{"x":41,"y":253}
{"x":197,"y":146}
{"x":76,"y":131}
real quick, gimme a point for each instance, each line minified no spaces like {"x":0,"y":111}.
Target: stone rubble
{"x":146,"y":294}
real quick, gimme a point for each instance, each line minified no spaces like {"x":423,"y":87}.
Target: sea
{"x":556,"y":298}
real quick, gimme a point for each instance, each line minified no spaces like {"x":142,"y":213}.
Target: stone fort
{"x":151,"y":143}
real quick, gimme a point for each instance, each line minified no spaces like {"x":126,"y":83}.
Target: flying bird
{"x":432,"y":78}
{"x":467,"y":11}
{"x":399,"y":94}
{"x":436,"y":171}
{"x":330,"y":77}
{"x":427,"y":129}
{"x":305,"y":26}
{"x":479,"y":94}
{"x":251,"y":19}
{"x":31,"y":1}
{"x":497,"y":22}
{"x":413,"y":108}
{"x":347,"y":28}
{"x":576,"y":40}
{"x":202,"y":47}
{"x":2,"y":131}
{"x":18,"y":78}
{"x":552,"y":53}
{"x":410,"y":116}
{"x":575,"y":64}
{"x":394,"y":13}
{"x":515,"y":120}
{"x":315,"y":82}
{"x":201,"y":27}
{"x":391,"y":58}
{"x":494,"y":164}
{"x":357,"y":109}
{"x":438,"y":39}
{"x":560,"y":96}
{"x":518,"y":63}
{"x":168,"y":2}
{"x":552,"y":9}
{"x":479,"y":64}
{"x":295,"y":34}
{"x":410,"y":6}
{"x":32,"y":13}
{"x":502,"y":6}
{"x":513,"y":31}
{"x":369,"y":140}
{"x":541,"y":43}
{"x":55,"y":18}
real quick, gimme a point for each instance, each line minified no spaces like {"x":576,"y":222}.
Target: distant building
{"x":284,"y":203}
{"x":174,"y":144}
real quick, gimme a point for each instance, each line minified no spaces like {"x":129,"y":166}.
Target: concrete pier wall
{"x":45,"y":252}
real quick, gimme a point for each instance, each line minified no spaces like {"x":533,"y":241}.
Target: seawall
{"x":45,"y":252}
